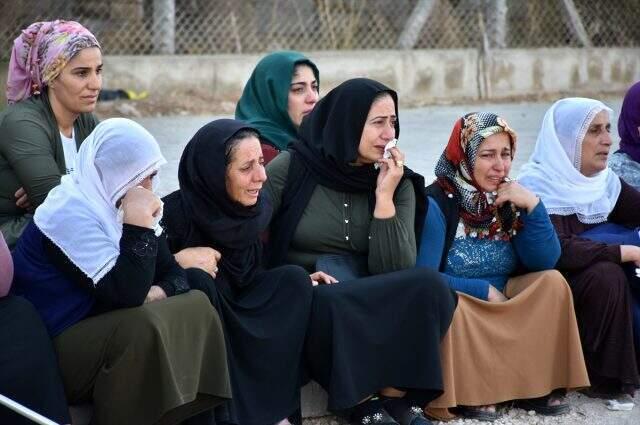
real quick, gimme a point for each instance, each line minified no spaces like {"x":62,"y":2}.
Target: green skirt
{"x":138,"y":365}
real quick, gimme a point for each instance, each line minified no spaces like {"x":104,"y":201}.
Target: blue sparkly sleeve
{"x":537,"y":244}
{"x":475,"y":287}
{"x":430,"y":254}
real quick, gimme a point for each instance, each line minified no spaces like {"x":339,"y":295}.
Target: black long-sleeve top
{"x":144,"y":260}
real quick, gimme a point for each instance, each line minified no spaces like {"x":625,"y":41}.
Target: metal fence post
{"x":164,"y":27}
{"x":416,"y":21}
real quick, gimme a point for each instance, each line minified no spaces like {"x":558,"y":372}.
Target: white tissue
{"x":387,"y":154}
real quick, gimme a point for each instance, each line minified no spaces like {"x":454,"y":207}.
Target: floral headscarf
{"x":41,"y":52}
{"x":454,"y":172}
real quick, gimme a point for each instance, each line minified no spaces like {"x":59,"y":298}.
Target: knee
{"x":433,"y":282}
{"x":555,"y":282}
{"x":605,"y":279}
{"x":295,"y":275}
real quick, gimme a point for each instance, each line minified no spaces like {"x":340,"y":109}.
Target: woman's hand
{"x":495,"y":296}
{"x":22,"y":200}
{"x":322,"y":278}
{"x":140,"y":207}
{"x":155,"y":293}
{"x":630,"y":253}
{"x":391,"y":171}
{"x":200,"y":257}
{"x":518,"y":195}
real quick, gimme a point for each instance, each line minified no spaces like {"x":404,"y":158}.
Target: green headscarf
{"x":265,"y":98}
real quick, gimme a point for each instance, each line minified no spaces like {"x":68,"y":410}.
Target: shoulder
{"x":280,"y":163}
{"x":31,"y":109}
{"x":173,"y":220}
{"x":26,"y":121}
{"x":278,"y":171}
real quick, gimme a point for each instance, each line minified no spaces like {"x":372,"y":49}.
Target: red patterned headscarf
{"x":454,"y":172}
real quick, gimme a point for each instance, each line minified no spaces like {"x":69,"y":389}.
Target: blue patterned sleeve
{"x":537,"y":244}
{"x":430,"y":254}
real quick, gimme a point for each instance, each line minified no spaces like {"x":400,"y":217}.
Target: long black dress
{"x":264,"y":313}
{"x":373,"y":332}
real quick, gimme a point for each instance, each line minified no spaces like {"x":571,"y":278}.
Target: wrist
{"x":532,"y":204}
{"x":138,"y":220}
{"x":384,"y":208}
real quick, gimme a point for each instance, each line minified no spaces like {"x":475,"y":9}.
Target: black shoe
{"x":414,"y":416}
{"x":404,"y":411}
{"x":541,"y":406}
{"x":472,"y":412}
{"x":378,"y":417}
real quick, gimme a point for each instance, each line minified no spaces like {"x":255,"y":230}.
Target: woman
{"x":282,"y":90}
{"x":373,"y":341}
{"x":106,"y":293}
{"x":568,"y":171}
{"x":626,"y":161}
{"x":493,"y":240}
{"x":264,"y":313}
{"x":29,"y":374}
{"x":55,"y":75}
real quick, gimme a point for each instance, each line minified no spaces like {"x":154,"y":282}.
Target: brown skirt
{"x":525,"y":347}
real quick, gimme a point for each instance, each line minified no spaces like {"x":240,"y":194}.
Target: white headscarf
{"x":553,"y":171}
{"x":80,"y":215}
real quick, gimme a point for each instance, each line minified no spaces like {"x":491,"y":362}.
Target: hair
{"x":235,"y":140}
{"x":382,"y":95}
{"x":300,"y":64}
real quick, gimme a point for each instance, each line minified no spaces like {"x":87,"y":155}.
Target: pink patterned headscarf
{"x":41,"y":52}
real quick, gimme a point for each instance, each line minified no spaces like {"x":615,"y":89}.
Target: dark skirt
{"x":264,"y":326}
{"x":162,"y":362}
{"x":379,"y":331}
{"x":603,"y":299}
{"x":28,"y":367}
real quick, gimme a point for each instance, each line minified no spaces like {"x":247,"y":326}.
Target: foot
{"x":405,"y":411}
{"x":371,"y":412}
{"x":550,"y":405}
{"x":487,"y":413}
{"x":413,"y":415}
{"x":379,"y":417}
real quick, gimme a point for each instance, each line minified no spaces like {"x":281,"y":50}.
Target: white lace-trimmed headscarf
{"x":80,"y":215}
{"x":553,"y":171}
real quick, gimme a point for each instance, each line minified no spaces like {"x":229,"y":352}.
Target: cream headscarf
{"x":553,"y":171}
{"x":80,"y":215}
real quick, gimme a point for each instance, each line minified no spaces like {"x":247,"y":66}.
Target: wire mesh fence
{"x":251,"y":26}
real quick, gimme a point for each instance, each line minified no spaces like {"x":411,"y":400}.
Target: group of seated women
{"x":403,"y":299}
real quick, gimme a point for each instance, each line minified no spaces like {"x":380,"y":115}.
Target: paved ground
{"x":424,"y":133}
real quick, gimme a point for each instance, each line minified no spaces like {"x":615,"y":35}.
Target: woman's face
{"x":147,"y":183}
{"x":245,"y":172}
{"x":379,"y":129}
{"x":596,"y":145}
{"x":303,"y":93}
{"x":493,"y":161}
{"x":77,"y":87}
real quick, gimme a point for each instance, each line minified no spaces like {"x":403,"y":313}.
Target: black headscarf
{"x":329,"y":140}
{"x":211,"y":218}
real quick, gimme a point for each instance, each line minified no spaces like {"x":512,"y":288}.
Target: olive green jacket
{"x":31,"y":156}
